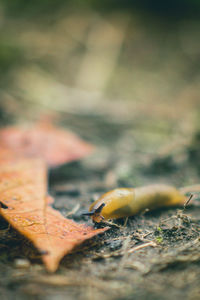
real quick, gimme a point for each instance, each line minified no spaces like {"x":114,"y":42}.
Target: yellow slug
{"x":124,"y":202}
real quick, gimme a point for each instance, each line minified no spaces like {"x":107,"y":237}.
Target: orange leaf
{"x":23,"y":192}
{"x":56,"y":146}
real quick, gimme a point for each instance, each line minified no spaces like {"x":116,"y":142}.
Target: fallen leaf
{"x":25,"y":206}
{"x":55,"y":145}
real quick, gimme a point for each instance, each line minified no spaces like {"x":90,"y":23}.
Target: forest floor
{"x":155,"y":255}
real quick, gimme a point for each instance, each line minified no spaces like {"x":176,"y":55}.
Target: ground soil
{"x":164,"y":262}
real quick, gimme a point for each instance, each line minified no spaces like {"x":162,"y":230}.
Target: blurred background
{"x":122,"y":74}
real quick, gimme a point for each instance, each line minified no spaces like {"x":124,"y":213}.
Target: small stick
{"x":151,"y":243}
{"x":187,"y":201}
{"x":74,"y":210}
{"x":125,"y":222}
{"x":112,"y":224}
{"x":146,"y":234}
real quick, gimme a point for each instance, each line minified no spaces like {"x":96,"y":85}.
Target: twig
{"x":151,"y":243}
{"x":126,"y":221}
{"x":112,"y":224}
{"x":74,"y":210}
{"x":187,"y":201}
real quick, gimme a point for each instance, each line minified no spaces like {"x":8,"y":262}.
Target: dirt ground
{"x":154,"y":256}
{"x":143,"y":118}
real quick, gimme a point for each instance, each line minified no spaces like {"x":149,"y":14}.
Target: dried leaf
{"x":25,"y":207}
{"x":56,"y":146}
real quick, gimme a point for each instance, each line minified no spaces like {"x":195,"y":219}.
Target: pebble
{"x":22,"y":263}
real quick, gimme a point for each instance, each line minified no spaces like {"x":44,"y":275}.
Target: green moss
{"x":159,"y":239}
{"x":159,"y":229}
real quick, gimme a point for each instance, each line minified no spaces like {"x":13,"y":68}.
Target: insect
{"x":124,"y":202}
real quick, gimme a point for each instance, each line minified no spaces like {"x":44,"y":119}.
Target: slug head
{"x":112,"y":205}
{"x":95,"y":213}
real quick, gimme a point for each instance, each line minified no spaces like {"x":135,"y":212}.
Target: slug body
{"x":124,"y":202}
